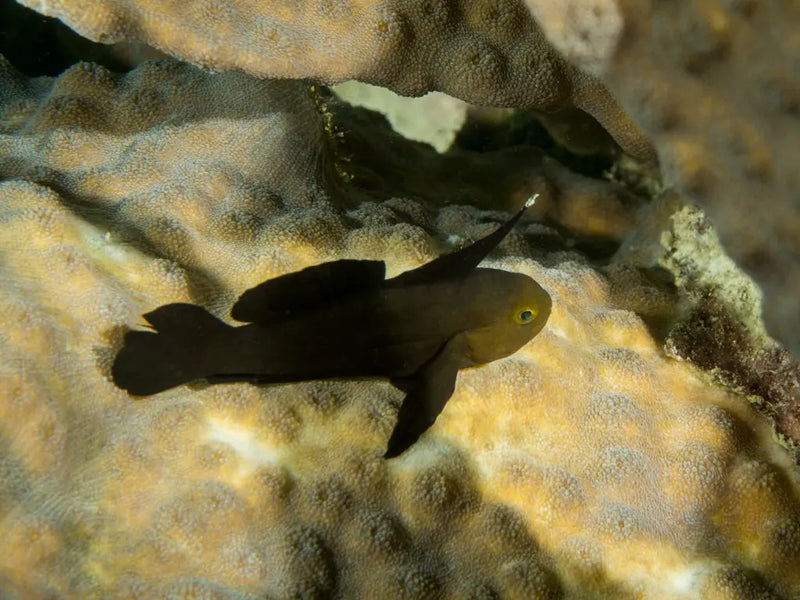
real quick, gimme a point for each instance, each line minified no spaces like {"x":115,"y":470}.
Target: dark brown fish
{"x":343,"y":319}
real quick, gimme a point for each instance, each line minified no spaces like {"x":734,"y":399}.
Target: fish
{"x":343,"y":319}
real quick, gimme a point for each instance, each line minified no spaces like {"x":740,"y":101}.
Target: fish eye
{"x":526,"y":315}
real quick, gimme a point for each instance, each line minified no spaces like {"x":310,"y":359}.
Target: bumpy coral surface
{"x":484,"y":52}
{"x":588,"y":465}
{"x":715,"y":86}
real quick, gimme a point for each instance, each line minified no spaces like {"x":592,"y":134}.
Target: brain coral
{"x":588,"y":465}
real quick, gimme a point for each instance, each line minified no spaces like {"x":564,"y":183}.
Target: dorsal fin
{"x":309,"y":289}
{"x":462,"y":262}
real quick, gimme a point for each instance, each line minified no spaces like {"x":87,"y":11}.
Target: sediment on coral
{"x":587,"y":465}
{"x":723,"y":332}
{"x":703,"y":308}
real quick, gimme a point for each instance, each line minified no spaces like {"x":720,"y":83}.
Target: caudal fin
{"x":170,"y":355}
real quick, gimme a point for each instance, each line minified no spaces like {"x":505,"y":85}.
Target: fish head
{"x":514,"y":308}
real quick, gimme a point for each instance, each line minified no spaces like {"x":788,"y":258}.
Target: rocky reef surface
{"x":644,"y":445}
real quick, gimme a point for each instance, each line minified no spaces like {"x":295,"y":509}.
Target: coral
{"x":674,"y":272}
{"x":487,"y":53}
{"x":586,"y":32}
{"x":724,"y":333}
{"x":719,"y":108}
{"x":587,"y":465}
{"x":714,"y":85}
{"x":44,"y":46}
{"x":595,"y":212}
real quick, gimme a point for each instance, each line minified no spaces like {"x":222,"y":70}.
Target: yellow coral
{"x":586,"y":465}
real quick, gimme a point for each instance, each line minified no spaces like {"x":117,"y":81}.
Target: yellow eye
{"x":526,"y":314}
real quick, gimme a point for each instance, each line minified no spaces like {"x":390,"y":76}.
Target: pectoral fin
{"x":427,"y":392}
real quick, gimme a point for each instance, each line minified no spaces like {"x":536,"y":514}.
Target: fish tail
{"x":170,"y":355}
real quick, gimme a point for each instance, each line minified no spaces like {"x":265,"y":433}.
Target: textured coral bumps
{"x":587,"y":465}
{"x":488,"y":53}
{"x":712,"y":84}
{"x":715,"y":87}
